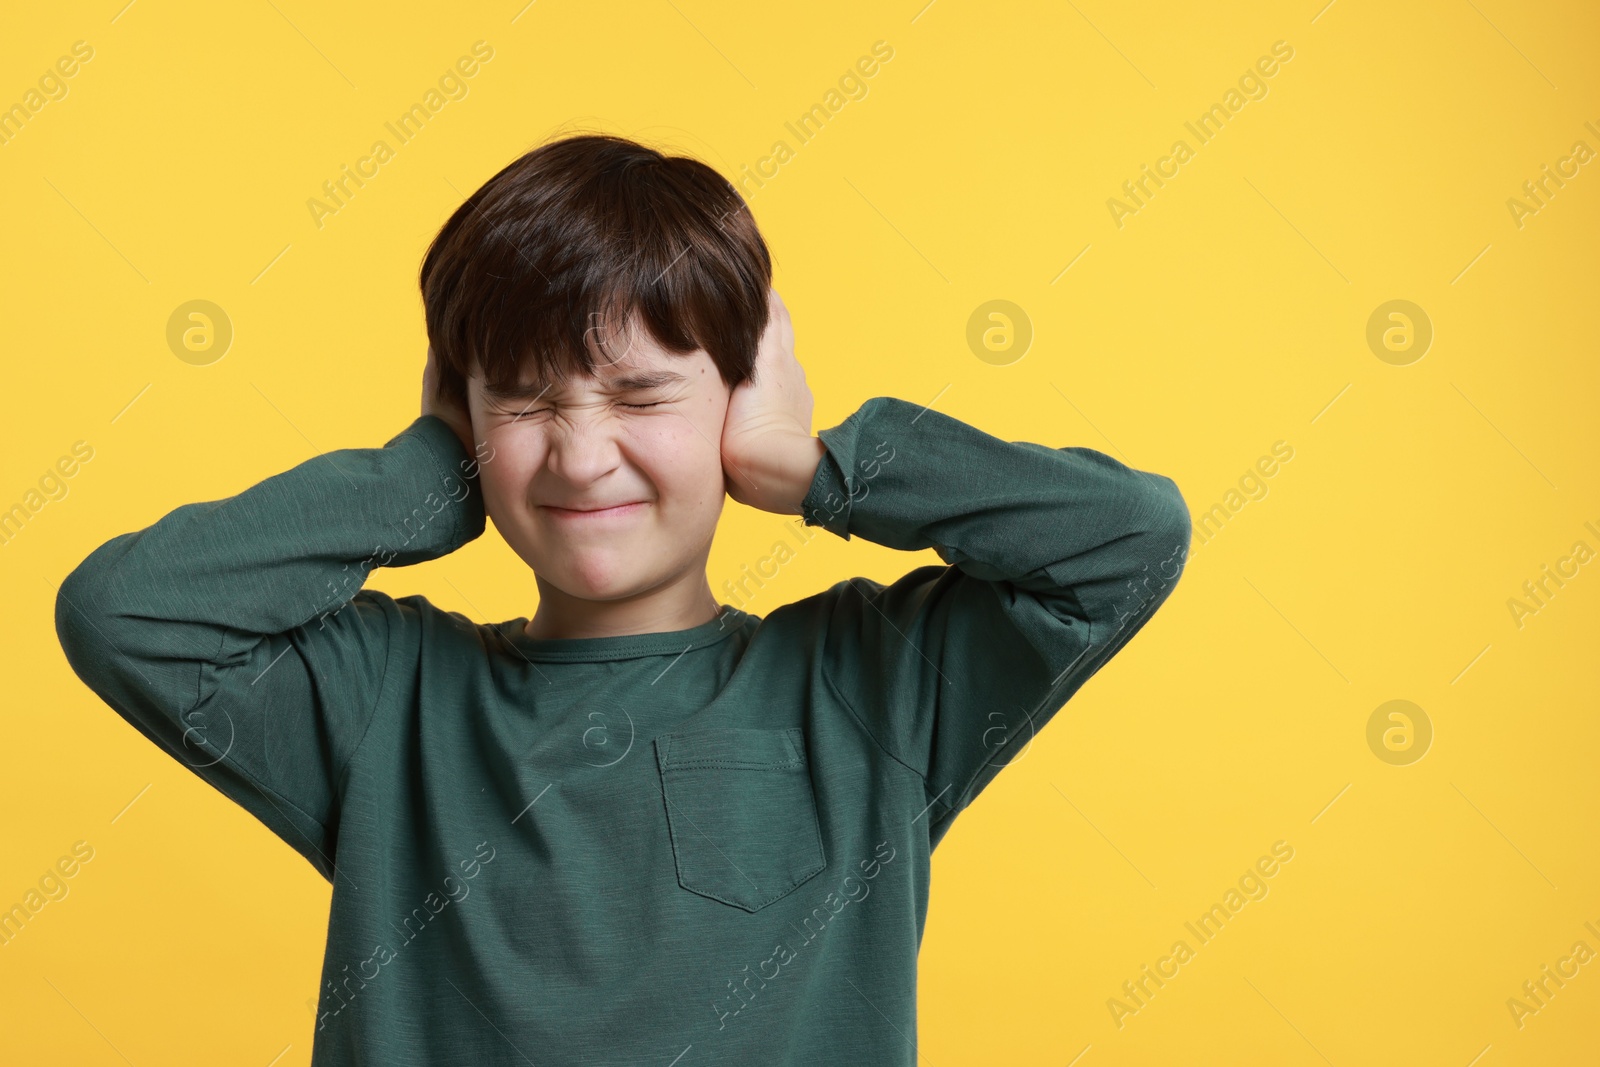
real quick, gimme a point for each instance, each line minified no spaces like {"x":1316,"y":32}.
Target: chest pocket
{"x":741,"y":813}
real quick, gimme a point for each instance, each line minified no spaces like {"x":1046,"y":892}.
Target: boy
{"x":642,"y":826}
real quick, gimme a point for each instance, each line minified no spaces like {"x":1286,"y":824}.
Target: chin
{"x":599,"y":579}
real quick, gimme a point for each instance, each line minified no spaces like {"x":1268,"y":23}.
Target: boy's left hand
{"x":769,"y":456}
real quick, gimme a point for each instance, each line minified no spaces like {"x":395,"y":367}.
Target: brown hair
{"x":579,"y":236}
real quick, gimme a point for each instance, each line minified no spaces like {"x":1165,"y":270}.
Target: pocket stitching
{"x":738,"y":764}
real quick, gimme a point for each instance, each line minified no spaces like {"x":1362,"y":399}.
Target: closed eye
{"x":540,"y":411}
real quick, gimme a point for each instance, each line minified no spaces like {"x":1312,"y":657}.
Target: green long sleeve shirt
{"x":710,"y":844}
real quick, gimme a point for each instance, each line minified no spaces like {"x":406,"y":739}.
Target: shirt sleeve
{"x":1056,"y":558}
{"x":235,"y":634}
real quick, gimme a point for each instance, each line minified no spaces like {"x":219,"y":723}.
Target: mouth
{"x":596,"y":514}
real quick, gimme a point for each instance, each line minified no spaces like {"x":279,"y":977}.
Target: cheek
{"x":516,"y":458}
{"x":684,"y":465}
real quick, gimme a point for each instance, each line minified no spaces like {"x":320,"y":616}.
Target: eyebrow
{"x":619,"y":384}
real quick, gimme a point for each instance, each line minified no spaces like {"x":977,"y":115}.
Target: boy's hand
{"x":456,"y":415}
{"x":769,"y":456}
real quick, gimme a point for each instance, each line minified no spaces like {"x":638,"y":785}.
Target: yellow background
{"x":1228,"y":314}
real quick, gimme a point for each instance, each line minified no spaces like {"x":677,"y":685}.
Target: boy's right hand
{"x":456,"y":415}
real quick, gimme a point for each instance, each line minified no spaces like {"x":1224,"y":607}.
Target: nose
{"x":583,"y":448}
